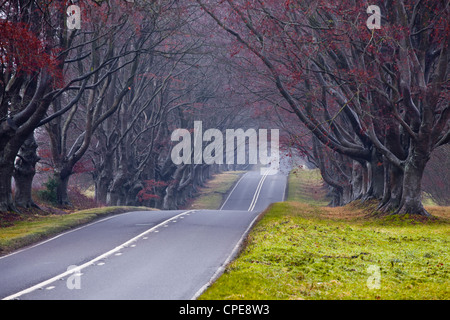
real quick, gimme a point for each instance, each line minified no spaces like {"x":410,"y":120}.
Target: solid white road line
{"x":91,"y":262}
{"x":236,"y":248}
{"x":233,"y":253}
{"x":258,"y":191}
{"x":238,"y":245}
{"x":62,"y":234}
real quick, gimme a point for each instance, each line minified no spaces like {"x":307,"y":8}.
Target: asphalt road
{"x":143,"y":254}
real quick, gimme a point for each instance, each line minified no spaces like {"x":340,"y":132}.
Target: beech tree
{"x":176,"y":80}
{"x":24,"y":171}
{"x":217,"y":109}
{"x":376,"y":96}
{"x":107,"y":48}
{"x":33,"y":46}
{"x":367,"y":106}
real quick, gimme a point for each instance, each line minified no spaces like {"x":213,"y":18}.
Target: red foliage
{"x":22,"y":51}
{"x":149,"y":190}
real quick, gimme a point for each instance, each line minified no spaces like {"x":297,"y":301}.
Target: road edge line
{"x":92,"y":261}
{"x":232,"y":255}
{"x":75,"y":228}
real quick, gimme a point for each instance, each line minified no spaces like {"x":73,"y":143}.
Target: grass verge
{"x":306,"y":186}
{"x":303,"y":250}
{"x":213,"y":194}
{"x":33,"y":228}
{"x":20,"y":230}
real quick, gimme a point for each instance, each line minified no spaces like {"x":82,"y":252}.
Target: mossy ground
{"x":212,"y":195}
{"x":31,"y":228}
{"x":304,"y":250}
{"x":32,"y":225}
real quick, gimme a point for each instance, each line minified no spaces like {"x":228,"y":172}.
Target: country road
{"x":143,"y":254}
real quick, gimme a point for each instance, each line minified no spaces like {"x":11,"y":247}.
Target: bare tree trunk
{"x":7,"y":156}
{"x":169,"y":202}
{"x":101,"y":189}
{"x":24,"y":172}
{"x":336,"y":194}
{"x":376,"y":177}
{"x":115,"y":194}
{"x":392,"y":189}
{"x":103,"y":177}
{"x":357,"y":181}
{"x":411,"y":201}
{"x":6,"y":199}
{"x":62,"y":178}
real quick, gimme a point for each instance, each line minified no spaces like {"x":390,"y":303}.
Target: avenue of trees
{"x":376,"y":102}
{"x":369,"y":108}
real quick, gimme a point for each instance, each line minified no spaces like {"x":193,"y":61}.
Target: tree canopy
{"x":367,"y":106}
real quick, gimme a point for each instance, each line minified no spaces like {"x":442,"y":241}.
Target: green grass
{"x":35,"y":228}
{"x":213,"y":194}
{"x":301,"y":250}
{"x":306,"y":186}
{"x":17,"y":231}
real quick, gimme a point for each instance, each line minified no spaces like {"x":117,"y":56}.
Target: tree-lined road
{"x":143,"y":254}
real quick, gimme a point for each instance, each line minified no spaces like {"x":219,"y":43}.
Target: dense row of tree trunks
{"x":398,"y":189}
{"x":380,"y":102}
{"x":109,"y":96}
{"x":28,"y":86}
{"x":13,"y":133}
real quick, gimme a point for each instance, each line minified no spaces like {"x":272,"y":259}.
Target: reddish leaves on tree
{"x":22,"y":51}
{"x":148,"y":192}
